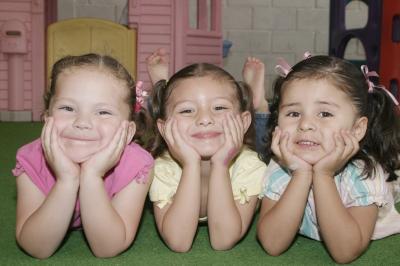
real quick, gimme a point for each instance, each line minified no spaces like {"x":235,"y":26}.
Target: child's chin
{"x":206,"y":154}
{"x":309,"y":159}
{"x":79,"y":158}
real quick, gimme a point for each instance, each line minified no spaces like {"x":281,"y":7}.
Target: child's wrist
{"x":219,"y":164}
{"x":323,"y":174}
{"x":68,"y":182}
{"x":91,"y":173}
{"x":306,"y":174}
{"x":192,"y":164}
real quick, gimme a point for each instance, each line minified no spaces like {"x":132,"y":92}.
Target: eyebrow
{"x":318,"y":102}
{"x":194,"y":101}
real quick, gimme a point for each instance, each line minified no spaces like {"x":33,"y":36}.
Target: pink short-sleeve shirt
{"x":135,"y":164}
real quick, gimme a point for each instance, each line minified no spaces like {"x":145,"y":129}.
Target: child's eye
{"x":66,"y":108}
{"x":104,"y":112}
{"x":219,"y":108}
{"x":186,"y":111}
{"x":293,"y":114}
{"x":325,"y":114}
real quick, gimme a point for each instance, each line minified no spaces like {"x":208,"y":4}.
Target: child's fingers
{"x":232,"y":129}
{"x":54,"y":140}
{"x":238,"y":124}
{"x":351,"y":144}
{"x":42,"y":134}
{"x":227,"y":125}
{"x":177,"y":137}
{"x":356,"y":144}
{"x":120,"y":138}
{"x":347,"y":145}
{"x":339,"y":148}
{"x":284,"y":145}
{"x":49,"y":139}
{"x":115,"y":143}
{"x":240,"y":128}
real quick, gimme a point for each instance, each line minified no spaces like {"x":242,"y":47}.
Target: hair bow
{"x":141,"y":95}
{"x":371,"y":85}
{"x":283,"y":68}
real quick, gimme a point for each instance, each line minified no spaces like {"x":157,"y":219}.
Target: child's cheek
{"x":58,"y":124}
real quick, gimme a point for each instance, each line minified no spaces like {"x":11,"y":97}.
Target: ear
{"x":360,"y":127}
{"x":160,"y":126}
{"x":246,"y":119}
{"x":131,"y":131}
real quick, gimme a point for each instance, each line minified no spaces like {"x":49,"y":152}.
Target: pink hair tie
{"x":141,"y":95}
{"x":283,"y":68}
{"x":372,"y":86}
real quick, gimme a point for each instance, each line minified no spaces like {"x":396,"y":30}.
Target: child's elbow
{"x":345,"y":257}
{"x":179,"y":247}
{"x":109,"y":251}
{"x":347,"y":254}
{"x":272,"y":249}
{"x":224,"y":240}
{"x":104,"y":255}
{"x":222,"y":245}
{"x":38,"y":253}
{"x":178,"y":244}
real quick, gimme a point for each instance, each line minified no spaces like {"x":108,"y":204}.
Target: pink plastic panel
{"x":165,"y":23}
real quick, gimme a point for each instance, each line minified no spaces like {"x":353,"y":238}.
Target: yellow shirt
{"x":246,"y":174}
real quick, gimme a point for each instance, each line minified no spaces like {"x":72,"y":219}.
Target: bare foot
{"x":253,"y":74}
{"x":157,"y":65}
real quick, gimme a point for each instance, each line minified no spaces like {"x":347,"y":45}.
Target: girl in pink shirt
{"x":80,"y":172}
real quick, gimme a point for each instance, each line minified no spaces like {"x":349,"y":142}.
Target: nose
{"x":82,"y":122}
{"x":204,"y":118}
{"x":306,"y":124}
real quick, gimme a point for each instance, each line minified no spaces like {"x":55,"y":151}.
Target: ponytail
{"x":143,"y":122}
{"x":383,"y":135}
{"x":157,"y":110}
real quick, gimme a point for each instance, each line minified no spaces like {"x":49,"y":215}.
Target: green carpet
{"x":148,"y":249}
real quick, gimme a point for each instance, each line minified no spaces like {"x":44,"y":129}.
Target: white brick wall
{"x":283,"y":28}
{"x":263,"y":28}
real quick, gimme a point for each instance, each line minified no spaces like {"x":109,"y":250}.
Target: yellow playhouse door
{"x":88,"y":35}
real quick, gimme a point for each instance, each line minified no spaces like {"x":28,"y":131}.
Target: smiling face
{"x":311,"y":111}
{"x":88,"y":107}
{"x":199,"y":105}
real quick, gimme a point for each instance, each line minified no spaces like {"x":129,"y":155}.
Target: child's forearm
{"x":342,"y":234}
{"x":104,"y":228}
{"x":179,"y":223}
{"x":279,"y":225}
{"x":43,"y":231}
{"x":224,"y":220}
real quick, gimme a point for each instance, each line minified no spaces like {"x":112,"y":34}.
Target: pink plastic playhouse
{"x":158,"y":23}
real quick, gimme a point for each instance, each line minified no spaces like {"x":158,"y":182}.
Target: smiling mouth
{"x":307,"y":144}
{"x":206,"y":135}
{"x":79,"y":139}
